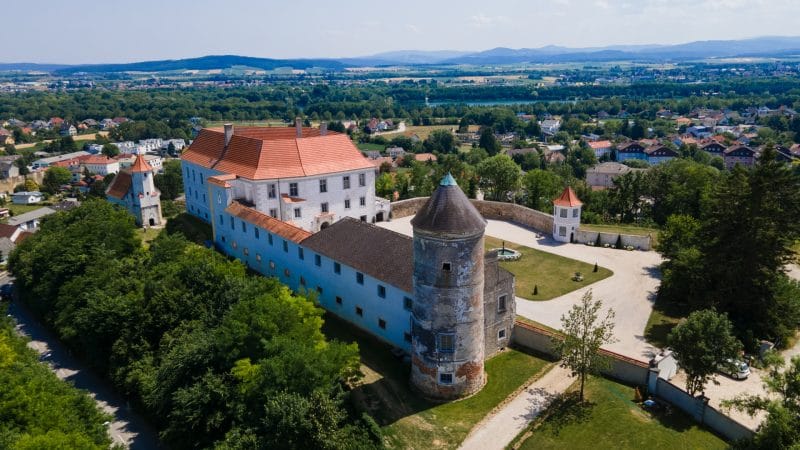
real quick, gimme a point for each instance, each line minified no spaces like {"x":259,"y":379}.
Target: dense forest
{"x":215,"y":357}
{"x":37,"y":410}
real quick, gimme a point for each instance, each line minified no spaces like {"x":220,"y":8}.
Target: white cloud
{"x":413,"y":28}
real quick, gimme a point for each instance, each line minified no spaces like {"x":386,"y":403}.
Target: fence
{"x":636,"y":241}
{"x":639,"y":373}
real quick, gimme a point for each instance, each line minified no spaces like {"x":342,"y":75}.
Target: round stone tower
{"x":447,"y":317}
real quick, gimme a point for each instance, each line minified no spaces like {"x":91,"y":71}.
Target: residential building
{"x":714,"y":148}
{"x":631,"y":150}
{"x":44,"y":163}
{"x":127,"y":160}
{"x":10,"y":236}
{"x":134,"y":189}
{"x":600,"y":148}
{"x":658,"y":154}
{"x":99,"y":164}
{"x":602,"y":175}
{"x":308,"y":177}
{"x":27,"y":197}
{"x":738,"y":154}
{"x":30,"y":221}
{"x":8,"y":169}
{"x":6,"y":138}
{"x":68,"y":130}
{"x":395,"y":152}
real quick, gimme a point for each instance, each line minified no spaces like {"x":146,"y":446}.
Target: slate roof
{"x":449,"y":211}
{"x":31,"y":215}
{"x":380,"y":253}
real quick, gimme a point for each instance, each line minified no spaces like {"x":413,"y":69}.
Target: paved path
{"x":630,"y":291}
{"x":499,"y":429}
{"x":126,"y":427}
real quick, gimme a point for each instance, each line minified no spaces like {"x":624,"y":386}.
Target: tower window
{"x":287,"y":273}
{"x":446,"y":267}
{"x":269,"y":238}
{"x":319,"y":290}
{"x":501,"y":334}
{"x":233,"y":223}
{"x":297,"y":213}
{"x":445,"y":343}
{"x":257,"y":232}
{"x":445,"y":378}
{"x":362,"y":201}
{"x":338,"y":300}
{"x":323,"y":185}
{"x":563,"y":212}
{"x":285,"y":246}
{"x":575,"y":212}
{"x":324,"y":207}
{"x":317,"y":260}
{"x":381,"y":291}
{"x":359,"y":278}
{"x":302,"y":281}
{"x":337,"y":268}
{"x":244,"y":227}
{"x":382,"y":324}
{"x":408,"y":304}
{"x":300,"y":253}
{"x":562,"y":231}
{"x":501,"y":303}
{"x":346,"y":182}
{"x":359,"y":311}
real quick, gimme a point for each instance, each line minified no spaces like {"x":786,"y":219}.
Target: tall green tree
{"x":499,"y":176}
{"x":584,"y":333}
{"x":541,"y":187}
{"x":489,"y":142}
{"x":54,"y":178}
{"x":170,"y":183}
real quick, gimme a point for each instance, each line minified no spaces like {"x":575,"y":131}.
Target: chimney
{"x":323,"y":128}
{"x":298,"y":126}
{"x":228,"y":133}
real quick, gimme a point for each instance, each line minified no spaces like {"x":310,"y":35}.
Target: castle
{"x":438,"y":296}
{"x":135,"y":190}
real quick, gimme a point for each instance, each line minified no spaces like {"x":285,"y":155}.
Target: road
{"x":126,"y":427}
{"x":401,"y":128}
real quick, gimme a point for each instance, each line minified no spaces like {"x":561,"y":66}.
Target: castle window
{"x":563,"y":212}
{"x":408,"y":304}
{"x":359,"y":311}
{"x":258,"y":257}
{"x":246,"y":251}
{"x":244,"y":227}
{"x":223,"y":238}
{"x":501,"y":334}
{"x":297,"y":213}
{"x":319,"y":290}
{"x":271,"y":191}
{"x":445,"y":343}
{"x":302,"y":281}
{"x":293,"y":189}
{"x":359,"y":278}
{"x":362,"y":201}
{"x":346,"y":182}
{"x":221,"y":219}
{"x":445,"y":378}
{"x":273,"y":212}
{"x":323,"y":185}
{"x":501,"y":303}
{"x":257,"y":232}
{"x":347,"y":203}
{"x":324,"y":207}
{"x":300,"y":253}
{"x":234,"y":244}
{"x":407,"y":337}
{"x":381,"y":291}
{"x":317,"y":260}
{"x":286,"y":273}
{"x":337,"y":268}
{"x":382,"y":324}
{"x":562,"y":231}
{"x":446,"y":267}
{"x":362,"y":179}
{"x":272,"y":265}
{"x":269,"y":238}
{"x":575,"y":212}
{"x":285,"y":246}
{"x":338,"y":300}
{"x":233,"y":224}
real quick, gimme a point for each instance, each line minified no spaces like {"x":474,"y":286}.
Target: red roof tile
{"x":269,"y":223}
{"x":567,"y":198}
{"x":140,"y":165}
{"x":119,"y":187}
{"x":600,"y":144}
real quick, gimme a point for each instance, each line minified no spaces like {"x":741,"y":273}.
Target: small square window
{"x":381,"y":291}
{"x":317,"y":260}
{"x":563,"y":212}
{"x":300,"y":253}
{"x":337,"y":268}
{"x":446,"y":267}
{"x":338,"y":300}
{"x":445,"y":378}
{"x":362,"y":201}
{"x":363,"y":218}
{"x":382,"y":324}
{"x":285,"y":246}
{"x":408,"y":304}
{"x":446,"y":343}
{"x":501,"y":334}
{"x":324,"y":207}
{"x":359,"y":311}
{"x":407,"y":337}
{"x":359,"y":278}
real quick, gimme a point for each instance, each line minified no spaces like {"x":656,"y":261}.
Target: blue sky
{"x":123,"y":31}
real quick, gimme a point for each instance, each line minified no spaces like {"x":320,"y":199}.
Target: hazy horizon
{"x":61,"y":33}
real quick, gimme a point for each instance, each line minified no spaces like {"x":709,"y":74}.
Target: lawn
{"x":148,"y":234}
{"x":423,"y":131}
{"x":662,"y":320}
{"x":623,"y":229}
{"x":369,"y":146}
{"x":611,"y":420}
{"x":22,"y":209}
{"x":550,"y":274}
{"x":409,"y":421}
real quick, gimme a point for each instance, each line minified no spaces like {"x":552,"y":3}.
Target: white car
{"x":735,"y":369}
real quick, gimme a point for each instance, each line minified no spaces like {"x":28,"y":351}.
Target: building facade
{"x":566,"y":216}
{"x":134,"y":189}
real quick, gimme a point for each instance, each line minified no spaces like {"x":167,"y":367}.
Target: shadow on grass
{"x":565,"y":410}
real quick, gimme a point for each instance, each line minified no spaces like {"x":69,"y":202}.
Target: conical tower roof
{"x":140,"y":165}
{"x":449,"y":211}
{"x":567,"y":198}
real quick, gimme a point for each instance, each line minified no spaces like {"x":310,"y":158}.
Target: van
{"x":735,"y":369}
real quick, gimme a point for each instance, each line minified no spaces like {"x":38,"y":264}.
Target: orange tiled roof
{"x":140,"y":165}
{"x":269,"y":223}
{"x":95,"y":159}
{"x":600,"y":144}
{"x":567,"y":198}
{"x":259,"y":153}
{"x":424,"y":157}
{"x":120,"y":186}
{"x":222,"y":180}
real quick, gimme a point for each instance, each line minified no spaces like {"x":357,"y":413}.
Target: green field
{"x":22,"y":209}
{"x":611,"y":420}
{"x":623,"y":229}
{"x":551,"y":274}
{"x":662,"y":320}
{"x":369,"y":146}
{"x":410,"y":422}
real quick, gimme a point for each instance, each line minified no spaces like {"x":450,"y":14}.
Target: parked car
{"x":735,"y":369}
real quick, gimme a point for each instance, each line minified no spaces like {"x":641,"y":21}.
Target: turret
{"x":448,"y":317}
{"x":566,"y":216}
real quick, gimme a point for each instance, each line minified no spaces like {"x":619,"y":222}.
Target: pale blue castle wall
{"x":195,"y":186}
{"x":273,"y":255}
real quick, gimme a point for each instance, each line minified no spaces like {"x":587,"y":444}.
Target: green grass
{"x":193,"y":228}
{"x":22,"y":209}
{"x":624,"y":229}
{"x":662,"y":320}
{"x":369,"y":146}
{"x":611,"y":420}
{"x":148,"y":234}
{"x":551,"y":274}
{"x":407,"y":420}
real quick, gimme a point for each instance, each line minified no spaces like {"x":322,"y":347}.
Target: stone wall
{"x":638,"y":242}
{"x":530,"y":218}
{"x":7,"y":184}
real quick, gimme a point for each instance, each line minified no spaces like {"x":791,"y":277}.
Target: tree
{"x":384,"y":185}
{"x":54,"y":178}
{"x":440,"y":141}
{"x":584,"y":334}
{"x":488,"y":142}
{"x":110,"y":150}
{"x":498,"y":176}
{"x":701,"y":344}
{"x":541,"y":187}
{"x":170,"y":183}
{"x":779,"y":430}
